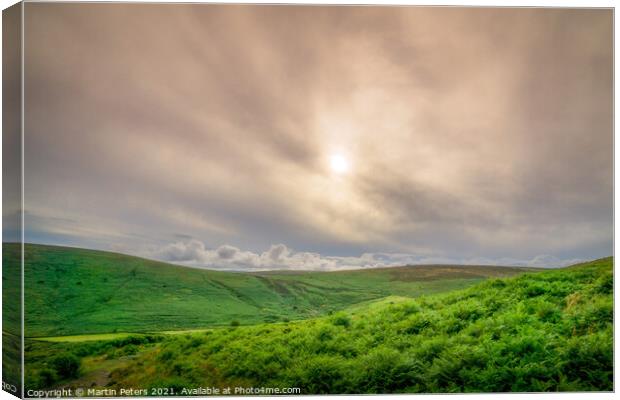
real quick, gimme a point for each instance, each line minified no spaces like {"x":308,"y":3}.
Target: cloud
{"x":226,"y":252}
{"x":470,"y":132}
{"x":191,"y":251}
{"x":279,"y":257}
{"x":278,"y":252}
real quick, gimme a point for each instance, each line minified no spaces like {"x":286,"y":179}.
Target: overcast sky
{"x":262,"y":137}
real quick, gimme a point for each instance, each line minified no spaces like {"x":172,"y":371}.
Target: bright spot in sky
{"x":339,"y":164}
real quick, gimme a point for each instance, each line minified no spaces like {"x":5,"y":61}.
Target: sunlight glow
{"x":339,"y":164}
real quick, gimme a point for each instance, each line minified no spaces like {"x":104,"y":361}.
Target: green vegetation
{"x":11,"y":360}
{"x":73,"y":291}
{"x":548,"y":331}
{"x":50,"y":363}
{"x":11,"y":288}
{"x":66,"y":366}
{"x":11,"y":317}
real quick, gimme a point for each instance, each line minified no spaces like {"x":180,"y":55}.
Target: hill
{"x":72,"y":291}
{"x":549,"y":331}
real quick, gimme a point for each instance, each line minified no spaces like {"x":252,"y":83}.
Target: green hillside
{"x":11,"y":316}
{"x":73,"y":291}
{"x":549,"y":331}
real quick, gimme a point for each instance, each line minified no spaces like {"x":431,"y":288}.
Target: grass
{"x":87,"y":338}
{"x":11,"y":361}
{"x":549,"y":331}
{"x":73,"y":291}
{"x":11,"y":318}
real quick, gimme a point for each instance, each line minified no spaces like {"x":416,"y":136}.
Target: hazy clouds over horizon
{"x":205,"y":134}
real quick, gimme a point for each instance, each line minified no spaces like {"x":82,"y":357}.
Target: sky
{"x":320,"y":138}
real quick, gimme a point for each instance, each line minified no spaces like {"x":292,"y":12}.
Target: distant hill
{"x":76,"y":291}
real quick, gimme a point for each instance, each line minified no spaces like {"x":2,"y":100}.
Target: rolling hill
{"x":72,"y":291}
{"x":548,"y":331}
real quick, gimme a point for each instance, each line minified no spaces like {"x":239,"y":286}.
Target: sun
{"x":339,"y":164}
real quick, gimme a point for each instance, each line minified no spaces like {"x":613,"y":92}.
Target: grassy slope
{"x":75,"y":291}
{"x":11,"y":315}
{"x":537,"y":332}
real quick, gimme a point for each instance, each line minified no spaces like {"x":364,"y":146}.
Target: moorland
{"x":105,"y":320}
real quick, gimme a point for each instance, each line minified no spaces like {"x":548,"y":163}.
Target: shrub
{"x":417,"y":325}
{"x":383,"y":371}
{"x":547,"y":312}
{"x":178,"y":369}
{"x":166,"y":355}
{"x":497,"y":283}
{"x":604,"y":284}
{"x":130,"y":349}
{"x":410,"y":308}
{"x":589,"y":359}
{"x":87,"y":349}
{"x":324,"y":334}
{"x":47,"y":378}
{"x":66,"y":366}
{"x":534,"y":289}
{"x":468,"y":311}
{"x":342,"y":320}
{"x":324,"y":374}
{"x":195,"y":342}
